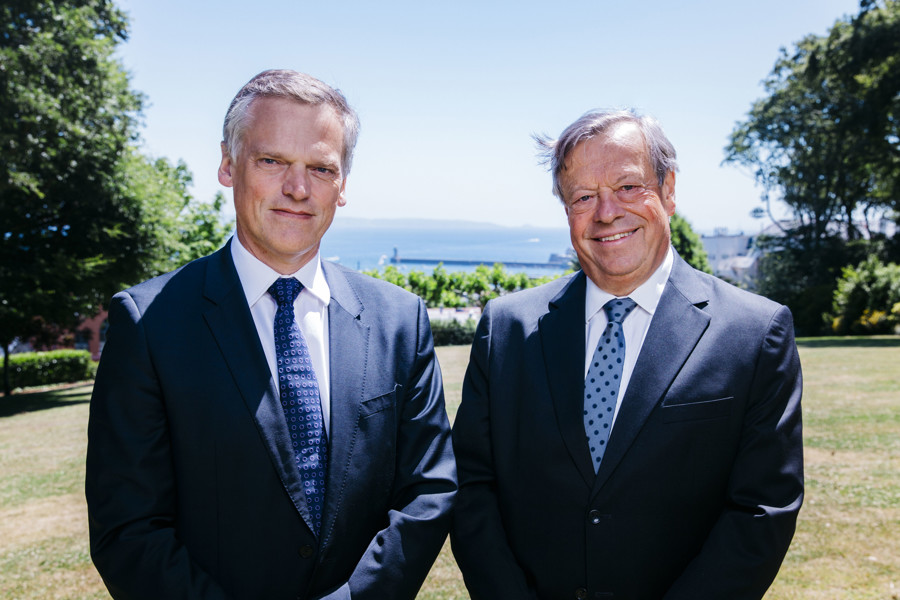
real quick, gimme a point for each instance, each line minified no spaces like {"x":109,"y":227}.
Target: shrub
{"x":458,"y":288}
{"x":450,"y":332}
{"x":866,"y":298}
{"x":44,"y":368}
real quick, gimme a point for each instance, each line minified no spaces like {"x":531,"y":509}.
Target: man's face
{"x":287,"y":180}
{"x":618,"y":213}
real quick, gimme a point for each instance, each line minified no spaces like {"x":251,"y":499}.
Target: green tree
{"x":803,"y":279}
{"x":825,"y":142}
{"x":826,"y":139}
{"x":443,"y":289}
{"x":479,"y":287}
{"x":178,"y":228}
{"x":688,"y":243}
{"x":82,"y":213}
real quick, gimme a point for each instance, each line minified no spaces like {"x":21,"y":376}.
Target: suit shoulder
{"x":732,"y":293}
{"x":548,"y":290}
{"x":368,"y":287}
{"x":182,"y":281}
{"x":533,"y":301}
{"x":740,"y":306}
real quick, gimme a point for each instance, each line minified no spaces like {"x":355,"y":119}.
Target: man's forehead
{"x":624,"y":134}
{"x":275,"y":120}
{"x":317,"y":110}
{"x":608,"y":148}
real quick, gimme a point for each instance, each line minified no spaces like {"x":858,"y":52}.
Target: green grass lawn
{"x":847,"y":544}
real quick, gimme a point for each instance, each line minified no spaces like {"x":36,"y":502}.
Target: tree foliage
{"x":803,"y":279}
{"x":688,"y":243}
{"x":825,"y":141}
{"x":82,"y":212}
{"x":178,"y":228}
{"x":443,"y":289}
{"x":867,"y":298}
{"x":826,"y":138}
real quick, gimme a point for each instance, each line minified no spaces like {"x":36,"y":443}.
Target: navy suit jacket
{"x":192,"y":487}
{"x":699,"y":488}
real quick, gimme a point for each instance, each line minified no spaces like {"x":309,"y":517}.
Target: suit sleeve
{"x":129,"y":482}
{"x":479,"y":540}
{"x":399,"y":557}
{"x":745,"y":548}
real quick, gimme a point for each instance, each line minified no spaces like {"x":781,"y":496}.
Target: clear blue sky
{"x":449,"y":93}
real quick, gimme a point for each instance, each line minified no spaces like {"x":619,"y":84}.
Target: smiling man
{"x":633,"y":430}
{"x":265,"y":425}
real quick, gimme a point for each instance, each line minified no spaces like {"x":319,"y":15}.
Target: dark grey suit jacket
{"x":191,"y":483}
{"x":699,"y":488}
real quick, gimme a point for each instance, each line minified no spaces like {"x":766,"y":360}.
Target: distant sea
{"x":365,"y":244}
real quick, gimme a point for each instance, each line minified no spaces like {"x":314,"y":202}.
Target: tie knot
{"x":285,"y":290}
{"x":618,"y":308}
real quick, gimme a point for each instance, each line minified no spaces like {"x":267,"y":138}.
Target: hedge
{"x":30,"y":369}
{"x":450,"y":332}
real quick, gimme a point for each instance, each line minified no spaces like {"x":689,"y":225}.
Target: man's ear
{"x":225,"y":168}
{"x":668,"y":193}
{"x":342,"y":198}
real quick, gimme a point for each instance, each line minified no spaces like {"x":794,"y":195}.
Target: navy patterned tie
{"x":300,"y":397}
{"x":601,"y":386}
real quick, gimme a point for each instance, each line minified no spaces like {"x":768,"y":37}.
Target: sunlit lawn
{"x":847,"y":544}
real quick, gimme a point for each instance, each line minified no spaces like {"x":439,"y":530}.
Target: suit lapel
{"x":229,"y":319}
{"x":562,"y":340}
{"x":676,"y":327}
{"x":348,"y":343}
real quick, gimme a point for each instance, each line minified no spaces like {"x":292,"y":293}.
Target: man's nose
{"x":608,"y":207}
{"x":296,"y":182}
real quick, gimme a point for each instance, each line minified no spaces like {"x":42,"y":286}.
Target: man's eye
{"x":629,"y":190}
{"x":580,"y":204}
{"x":268,"y":161}
{"x":325,"y":172}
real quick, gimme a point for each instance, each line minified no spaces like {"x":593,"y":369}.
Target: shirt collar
{"x":257,"y":277}
{"x":646,"y":295}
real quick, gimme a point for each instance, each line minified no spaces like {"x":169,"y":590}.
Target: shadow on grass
{"x":880,"y":341}
{"x":77,"y":393}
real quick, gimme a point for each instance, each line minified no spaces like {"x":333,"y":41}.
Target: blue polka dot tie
{"x":299,"y":392}
{"x":601,"y":386}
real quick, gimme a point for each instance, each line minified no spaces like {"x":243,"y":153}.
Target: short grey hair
{"x":292,"y":85}
{"x":553,"y":153}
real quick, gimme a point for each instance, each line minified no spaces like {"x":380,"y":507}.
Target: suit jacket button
{"x":306,"y":551}
{"x":595,"y":517}
{"x":581,"y":594}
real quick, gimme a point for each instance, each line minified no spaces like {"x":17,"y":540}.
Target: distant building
{"x":91,"y":334}
{"x":733,"y":257}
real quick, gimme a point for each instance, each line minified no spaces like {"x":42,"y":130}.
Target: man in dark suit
{"x":672,"y":473}
{"x":198,"y":484}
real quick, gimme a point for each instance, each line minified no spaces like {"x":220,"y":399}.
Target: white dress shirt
{"x":635,"y":327}
{"x":310,"y":312}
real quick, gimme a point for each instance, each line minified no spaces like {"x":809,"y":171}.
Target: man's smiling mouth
{"x":615,"y":237}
